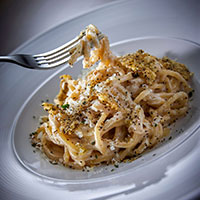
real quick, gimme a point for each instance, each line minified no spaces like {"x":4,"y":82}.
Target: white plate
{"x":172,"y":174}
{"x":24,"y":123}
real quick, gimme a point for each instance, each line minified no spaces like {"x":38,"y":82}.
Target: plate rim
{"x":111,"y":176}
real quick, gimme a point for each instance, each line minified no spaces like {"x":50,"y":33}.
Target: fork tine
{"x":57,"y":56}
{"x":61,"y":50}
{"x":69,"y":44}
{"x":52,"y":56}
{"x":54,"y":59}
{"x":60,"y":62}
{"x":60,"y":55}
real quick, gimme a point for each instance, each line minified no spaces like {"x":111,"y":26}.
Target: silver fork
{"x":47,"y":60}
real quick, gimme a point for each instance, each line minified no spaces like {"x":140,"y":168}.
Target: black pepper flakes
{"x":190,"y":94}
{"x":33,"y":144}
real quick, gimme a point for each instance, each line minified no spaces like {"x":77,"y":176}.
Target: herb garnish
{"x":64,"y":106}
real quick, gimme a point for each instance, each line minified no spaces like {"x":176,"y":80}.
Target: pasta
{"x":120,"y":109}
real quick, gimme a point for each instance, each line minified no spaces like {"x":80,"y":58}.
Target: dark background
{"x":21,"y":20}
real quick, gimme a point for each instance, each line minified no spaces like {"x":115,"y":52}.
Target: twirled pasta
{"x":120,"y":109}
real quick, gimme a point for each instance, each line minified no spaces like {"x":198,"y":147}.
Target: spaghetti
{"x":120,"y":109}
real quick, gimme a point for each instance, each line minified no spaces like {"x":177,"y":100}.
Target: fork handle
{"x":20,"y":60}
{"x":10,"y":59}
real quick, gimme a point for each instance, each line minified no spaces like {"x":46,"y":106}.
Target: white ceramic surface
{"x":182,"y":50}
{"x":172,"y":174}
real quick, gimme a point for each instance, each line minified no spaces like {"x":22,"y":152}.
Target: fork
{"x":47,"y":60}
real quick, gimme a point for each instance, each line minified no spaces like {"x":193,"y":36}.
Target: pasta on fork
{"x":121,"y":108}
